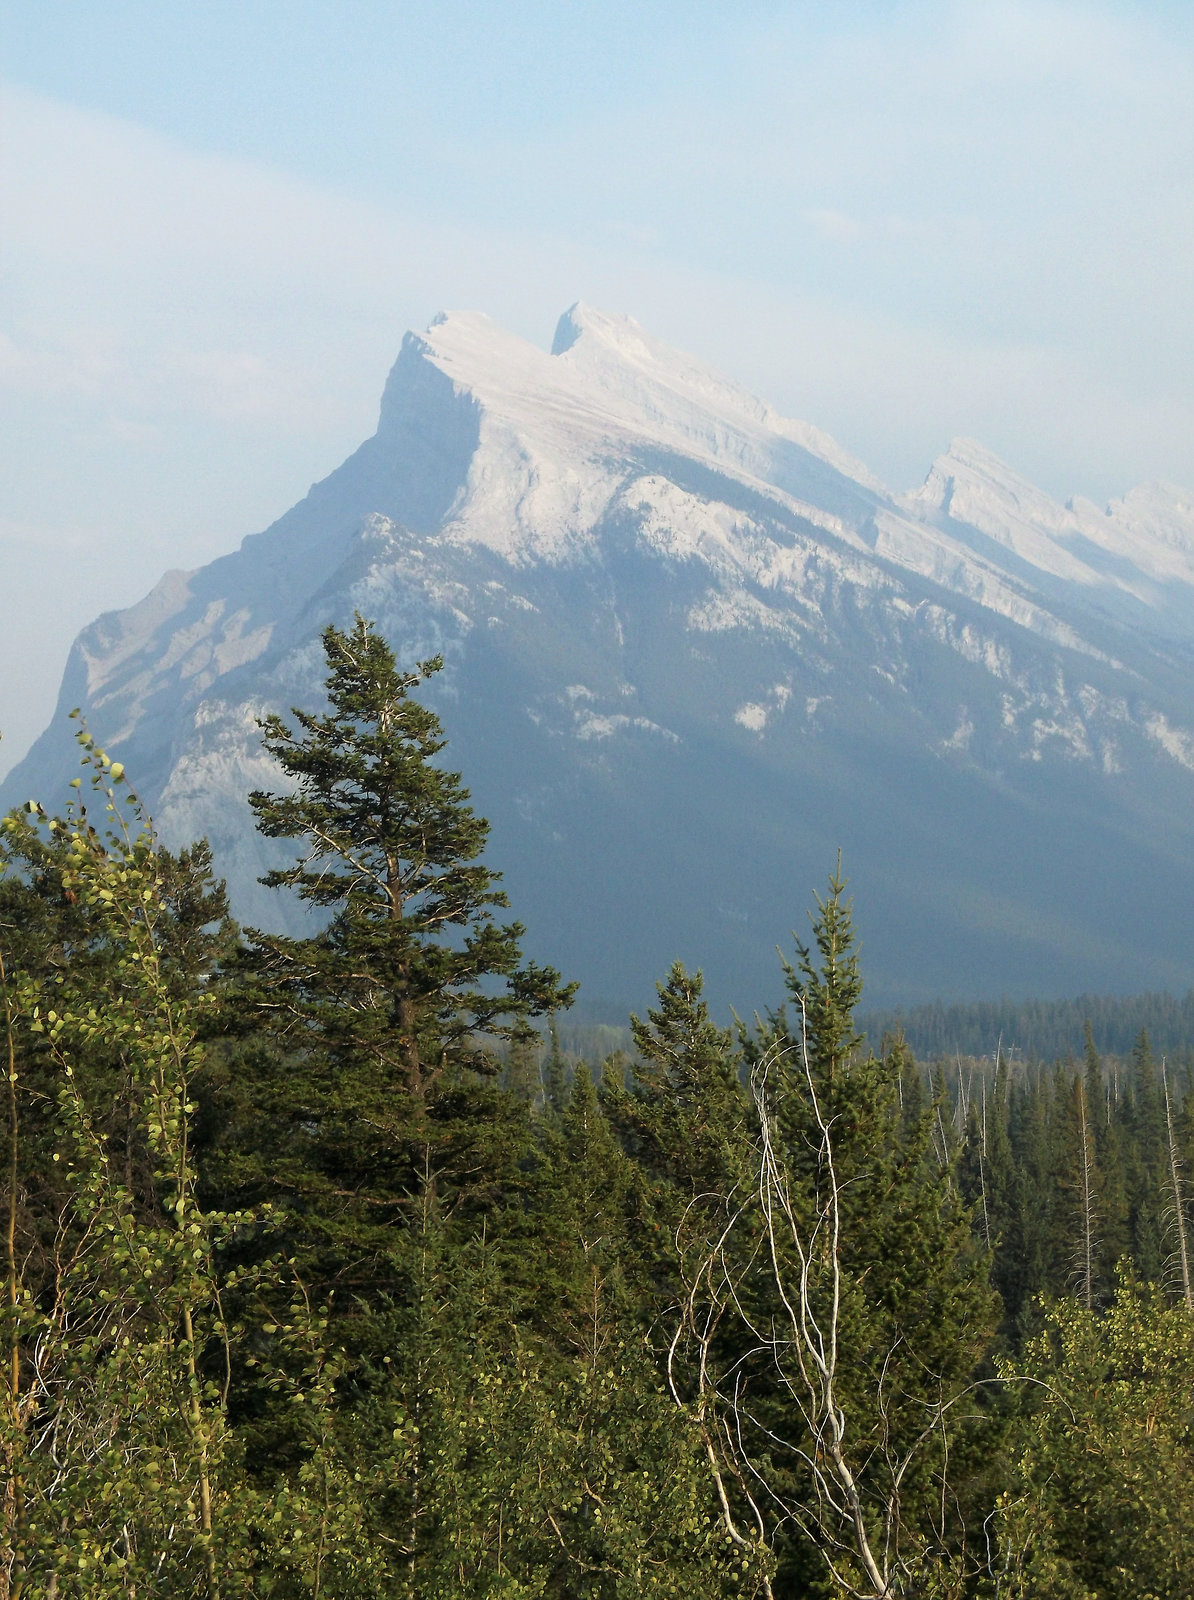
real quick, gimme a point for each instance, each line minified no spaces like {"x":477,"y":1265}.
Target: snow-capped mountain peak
{"x":1123,"y":553}
{"x":609,"y":394}
{"x":680,"y":627}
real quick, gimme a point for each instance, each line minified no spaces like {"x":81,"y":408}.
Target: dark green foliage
{"x":329,"y":1273}
{"x":380,"y":1097}
{"x":521,"y":1075}
{"x":1145,"y":1176}
{"x":1042,"y":1030}
{"x":622,"y":1527}
{"x":683,"y":1115}
{"x":1079,"y":1184}
{"x":1068,"y":1170}
{"x":815,"y":1218}
{"x":555,"y":1073}
{"x":412,"y":970}
{"x":905,"y":1074}
{"x":1099,"y":1503}
{"x":825,"y":993}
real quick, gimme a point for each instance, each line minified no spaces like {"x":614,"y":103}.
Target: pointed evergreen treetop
{"x":827,"y":992}
{"x":683,"y":1111}
{"x":413,"y":955}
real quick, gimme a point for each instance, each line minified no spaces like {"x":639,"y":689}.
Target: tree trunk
{"x":1175,"y":1183}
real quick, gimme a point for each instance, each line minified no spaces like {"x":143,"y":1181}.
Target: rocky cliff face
{"x":693,"y":648}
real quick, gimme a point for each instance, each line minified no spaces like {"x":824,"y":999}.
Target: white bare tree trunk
{"x":1087,"y":1198}
{"x":1177,"y":1189}
{"x":849,"y":1513}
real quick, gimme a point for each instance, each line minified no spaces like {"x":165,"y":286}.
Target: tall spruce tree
{"x":1079,"y":1198}
{"x":391,"y":845}
{"x":555,"y":1074}
{"x":385,"y":1100}
{"x":1106,"y":1113}
{"x":840,"y":1308}
{"x":631,"y":1497}
{"x":373,"y":1116}
{"x":683,"y":1114}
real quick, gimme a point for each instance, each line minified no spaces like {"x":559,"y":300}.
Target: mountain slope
{"x":693,"y":647}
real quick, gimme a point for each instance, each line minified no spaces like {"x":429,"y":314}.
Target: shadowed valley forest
{"x":331,"y":1272}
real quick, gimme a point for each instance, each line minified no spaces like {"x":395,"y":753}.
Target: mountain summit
{"x":692,"y":648}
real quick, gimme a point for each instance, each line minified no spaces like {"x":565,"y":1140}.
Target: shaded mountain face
{"x":692,"y":649}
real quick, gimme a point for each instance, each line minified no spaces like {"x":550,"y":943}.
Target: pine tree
{"x":614,"y":1473}
{"x":826,"y":991}
{"x":385,"y":1099}
{"x":392,"y":846}
{"x":1178,"y":1199}
{"x":945,"y":1138}
{"x":374,"y":1119}
{"x":555,"y":1073}
{"x":1107,"y":1118}
{"x":1080,"y":1185}
{"x":973,"y":1176}
{"x":902,"y":1068}
{"x":1035,"y":1196}
{"x":1005,"y":1210}
{"x":843,"y":1238}
{"x":683,"y":1114}
{"x":546,"y":1456}
{"x":521,"y":1076}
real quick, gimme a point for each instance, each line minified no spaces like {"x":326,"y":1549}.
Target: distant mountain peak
{"x":611,"y":327}
{"x":692,"y":646}
{"x":986,"y":477}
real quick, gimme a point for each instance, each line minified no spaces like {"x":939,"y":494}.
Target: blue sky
{"x":901,"y":221}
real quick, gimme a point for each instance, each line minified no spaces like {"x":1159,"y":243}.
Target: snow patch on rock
{"x":752,"y":716}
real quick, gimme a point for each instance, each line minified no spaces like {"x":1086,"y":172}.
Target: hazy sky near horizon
{"x":902,"y":220}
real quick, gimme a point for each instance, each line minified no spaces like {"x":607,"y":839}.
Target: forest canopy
{"x":329,"y":1272}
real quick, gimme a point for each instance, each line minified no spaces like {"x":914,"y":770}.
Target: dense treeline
{"x":330,"y":1272}
{"x":1073,"y":1169}
{"x":1042,"y":1030}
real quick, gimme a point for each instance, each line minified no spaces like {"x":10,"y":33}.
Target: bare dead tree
{"x":764,"y":1357}
{"x":1088,"y":1243}
{"x":939,"y":1135}
{"x":1177,"y":1195}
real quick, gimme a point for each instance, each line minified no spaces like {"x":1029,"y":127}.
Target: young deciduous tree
{"x":120,"y":1474}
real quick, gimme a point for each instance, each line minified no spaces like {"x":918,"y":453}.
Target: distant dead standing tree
{"x":1177,"y":1195}
{"x":1088,"y":1243}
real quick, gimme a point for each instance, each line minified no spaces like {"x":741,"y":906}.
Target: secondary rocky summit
{"x":693,"y":648}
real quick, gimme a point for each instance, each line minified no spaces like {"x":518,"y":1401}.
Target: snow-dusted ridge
{"x":680,"y":627}
{"x":558,"y":430}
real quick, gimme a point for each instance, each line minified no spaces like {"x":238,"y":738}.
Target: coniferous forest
{"x":329,"y":1272}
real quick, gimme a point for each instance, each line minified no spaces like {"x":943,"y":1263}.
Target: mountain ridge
{"x":652,"y":591}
